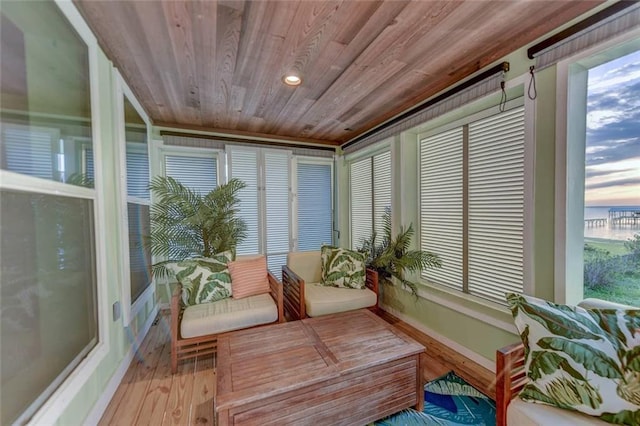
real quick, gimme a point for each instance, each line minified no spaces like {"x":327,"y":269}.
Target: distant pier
{"x":624,"y":216}
{"x":595,"y":222}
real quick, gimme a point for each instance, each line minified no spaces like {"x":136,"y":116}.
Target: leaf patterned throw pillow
{"x":342,"y":268}
{"x":582,"y":360}
{"x":203,"y":279}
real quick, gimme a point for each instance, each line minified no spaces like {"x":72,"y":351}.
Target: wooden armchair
{"x":510,"y":378}
{"x":297,"y":296}
{"x":183,"y":348}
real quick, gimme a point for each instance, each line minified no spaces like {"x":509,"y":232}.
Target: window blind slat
{"x":441,"y":205}
{"x":361,"y":201}
{"x":496,"y":201}
{"x":137,"y":171}
{"x":381,"y":188}
{"x":197,"y":173}
{"x":315,"y":214}
{"x":244,"y":166}
{"x":28,"y":151}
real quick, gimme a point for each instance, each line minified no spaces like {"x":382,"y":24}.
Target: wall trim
{"x":471,"y":313}
{"x":477,"y":358}
{"x":94,"y":416}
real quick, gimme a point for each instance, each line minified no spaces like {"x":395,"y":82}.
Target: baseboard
{"x":478,"y":359}
{"x":103,"y":402}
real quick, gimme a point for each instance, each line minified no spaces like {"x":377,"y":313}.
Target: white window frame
{"x":60,"y":399}
{"x":571,"y":89}
{"x":129,"y":310}
{"x":188,"y":151}
{"x":381,"y":147}
{"x":299,"y":159}
{"x":528,"y":226}
{"x":262,"y":201}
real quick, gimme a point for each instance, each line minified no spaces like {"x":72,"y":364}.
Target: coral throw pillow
{"x":249,"y":277}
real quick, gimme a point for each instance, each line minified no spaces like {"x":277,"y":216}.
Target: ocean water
{"x":609,"y":231}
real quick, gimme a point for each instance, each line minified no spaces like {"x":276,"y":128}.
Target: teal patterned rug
{"x":448,"y":401}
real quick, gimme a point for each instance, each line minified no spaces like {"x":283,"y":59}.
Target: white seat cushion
{"x":228,"y":315}
{"x":522,"y":413}
{"x":323,"y":300}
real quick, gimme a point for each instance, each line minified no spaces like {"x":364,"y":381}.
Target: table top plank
{"x":254,"y":364}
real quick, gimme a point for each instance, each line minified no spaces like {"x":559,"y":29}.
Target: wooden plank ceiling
{"x":218,"y":65}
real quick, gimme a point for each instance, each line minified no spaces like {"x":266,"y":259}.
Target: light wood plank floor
{"x":150,"y":395}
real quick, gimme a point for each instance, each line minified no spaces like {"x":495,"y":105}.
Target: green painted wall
{"x":466,"y":320}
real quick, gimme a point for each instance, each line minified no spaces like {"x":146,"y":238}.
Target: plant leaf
{"x":547,"y":363}
{"x":556,"y":323}
{"x":591,"y":358}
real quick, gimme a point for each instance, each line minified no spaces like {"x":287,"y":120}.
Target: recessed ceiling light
{"x":291,"y":80}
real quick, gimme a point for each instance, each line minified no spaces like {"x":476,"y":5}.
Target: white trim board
{"x":96,"y":413}
{"x":478,"y":359}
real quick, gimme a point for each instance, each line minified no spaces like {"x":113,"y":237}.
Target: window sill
{"x":488,"y":312}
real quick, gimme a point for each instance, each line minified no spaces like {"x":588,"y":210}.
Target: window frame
{"x":381,"y":147}
{"x":60,"y":399}
{"x":301,"y":159}
{"x":261,"y":192}
{"x":571,"y":88}
{"x":478,"y":113}
{"x":189,"y":151}
{"x":129,"y":309}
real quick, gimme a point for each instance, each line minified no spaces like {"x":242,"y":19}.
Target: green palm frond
{"x":392,"y":257}
{"x":186,"y":224}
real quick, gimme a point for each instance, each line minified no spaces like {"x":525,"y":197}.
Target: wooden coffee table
{"x":345,"y":369}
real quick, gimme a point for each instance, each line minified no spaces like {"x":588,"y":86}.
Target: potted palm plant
{"x":186,"y":224}
{"x":392,"y":258}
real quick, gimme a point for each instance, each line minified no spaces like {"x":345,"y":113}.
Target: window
{"x":370,"y":195}
{"x":472,"y":204}
{"x":48,"y":211}
{"x":138,"y":201}
{"x":612,"y":182}
{"x":197,"y":170}
{"x":265,"y":202}
{"x":314,"y":210}
{"x":597,"y":174}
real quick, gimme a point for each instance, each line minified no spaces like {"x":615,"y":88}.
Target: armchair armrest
{"x":275,"y":289}
{"x":373,"y":284}
{"x":510,"y":378}
{"x":293,"y":288}
{"x":176,"y":314}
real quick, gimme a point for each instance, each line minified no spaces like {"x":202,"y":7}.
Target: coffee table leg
{"x":420,"y":385}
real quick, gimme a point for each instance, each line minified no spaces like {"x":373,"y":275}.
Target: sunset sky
{"x":613,"y":134}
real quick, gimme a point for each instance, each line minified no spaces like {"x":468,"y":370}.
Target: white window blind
{"x":197,"y":173}
{"x":361,"y":188}
{"x":28,"y":151}
{"x":441,"y":203}
{"x":277,"y":202}
{"x":496,"y":205}
{"x":243,"y":164}
{"x":315,"y":212}
{"x":381,"y":188}
{"x":472,"y":205}
{"x":370,"y":181}
{"x":137,"y":171}
{"x":88,"y":168}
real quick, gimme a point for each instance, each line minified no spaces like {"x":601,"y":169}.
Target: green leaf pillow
{"x":582,"y":360}
{"x":342,"y":268}
{"x":203,"y":279}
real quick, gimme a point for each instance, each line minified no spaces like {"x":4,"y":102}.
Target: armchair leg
{"x":174,"y":359}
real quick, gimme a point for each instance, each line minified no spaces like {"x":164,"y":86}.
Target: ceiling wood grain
{"x":218,"y":65}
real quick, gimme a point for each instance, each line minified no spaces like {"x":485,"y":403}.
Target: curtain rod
{"x":580,"y":26}
{"x":239,"y":140}
{"x":501,"y":67}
